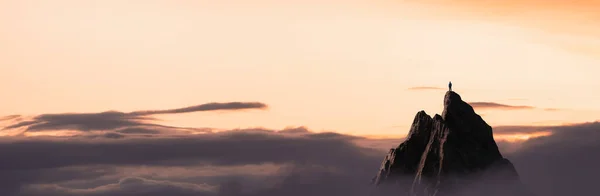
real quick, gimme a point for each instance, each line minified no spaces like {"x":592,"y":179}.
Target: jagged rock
{"x":451,"y":154}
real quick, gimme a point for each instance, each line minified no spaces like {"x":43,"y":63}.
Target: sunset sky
{"x":355,"y":67}
{"x":287,"y":97}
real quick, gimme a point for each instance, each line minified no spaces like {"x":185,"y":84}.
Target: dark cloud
{"x":322,"y":163}
{"x":112,"y":120}
{"x":84,"y":122}
{"x":420,"y":88}
{"x":130,"y":186}
{"x":12,"y":180}
{"x":113,"y":135}
{"x":228,"y":148}
{"x":564,"y":163}
{"x":141,"y":130}
{"x":205,"y":107}
{"x":233,"y":163}
{"x":492,"y":105}
{"x":381,"y":144}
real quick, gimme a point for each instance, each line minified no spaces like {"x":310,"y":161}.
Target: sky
{"x":265,"y":97}
{"x":344,"y":66}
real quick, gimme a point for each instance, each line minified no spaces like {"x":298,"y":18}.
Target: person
{"x":450,"y":85}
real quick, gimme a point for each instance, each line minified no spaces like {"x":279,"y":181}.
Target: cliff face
{"x":451,"y":154}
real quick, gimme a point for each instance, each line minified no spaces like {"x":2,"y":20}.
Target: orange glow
{"x":51,"y":133}
{"x":521,"y":136}
{"x":518,"y":137}
{"x":5,"y":134}
{"x":383,"y":136}
{"x":327,"y":65}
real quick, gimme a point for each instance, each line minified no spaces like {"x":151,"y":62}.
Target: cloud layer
{"x":118,"y":154}
{"x":561,"y":164}
{"x":48,"y":165}
{"x":259,"y":162}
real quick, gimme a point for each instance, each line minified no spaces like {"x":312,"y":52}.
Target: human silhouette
{"x":450,"y":85}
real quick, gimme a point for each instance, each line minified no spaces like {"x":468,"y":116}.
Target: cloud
{"x":317,"y":164}
{"x":84,"y":122}
{"x":492,"y":105}
{"x":9,"y":117}
{"x":523,"y":129}
{"x":421,"y":88}
{"x":262,"y":162}
{"x":520,"y":129}
{"x":499,"y":106}
{"x":205,"y":107}
{"x":381,"y":144}
{"x":130,"y":186}
{"x":147,"y":159}
{"x":563,"y":163}
{"x":173,"y":150}
{"x":112,"y":120}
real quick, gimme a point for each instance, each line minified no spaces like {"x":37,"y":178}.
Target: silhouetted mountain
{"x":452,"y":154}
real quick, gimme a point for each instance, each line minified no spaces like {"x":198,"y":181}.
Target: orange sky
{"x":329,"y":65}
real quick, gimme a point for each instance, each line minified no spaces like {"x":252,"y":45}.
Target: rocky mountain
{"x":452,"y":154}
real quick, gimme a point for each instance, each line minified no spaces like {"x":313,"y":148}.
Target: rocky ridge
{"x":450,"y":154}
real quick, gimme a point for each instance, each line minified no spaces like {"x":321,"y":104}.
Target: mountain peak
{"x":453,"y":102}
{"x":449,"y":154}
{"x":451,"y":96}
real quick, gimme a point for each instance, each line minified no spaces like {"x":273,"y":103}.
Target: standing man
{"x":450,"y":85}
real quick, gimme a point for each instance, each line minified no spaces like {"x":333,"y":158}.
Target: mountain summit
{"x":452,"y":154}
